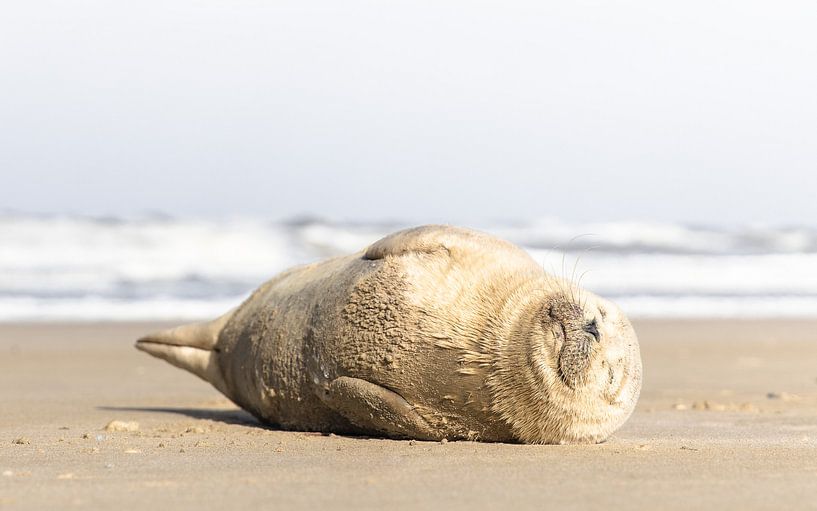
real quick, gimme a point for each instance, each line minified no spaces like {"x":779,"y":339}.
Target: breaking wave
{"x":157,"y":267}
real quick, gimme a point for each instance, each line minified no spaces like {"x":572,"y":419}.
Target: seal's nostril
{"x":592,"y":328}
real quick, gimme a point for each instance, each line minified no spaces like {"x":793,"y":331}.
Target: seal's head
{"x":570,"y":371}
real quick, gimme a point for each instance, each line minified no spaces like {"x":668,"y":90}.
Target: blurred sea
{"x":156,"y":267}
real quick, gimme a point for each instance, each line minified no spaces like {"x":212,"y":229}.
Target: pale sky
{"x":694,"y":111}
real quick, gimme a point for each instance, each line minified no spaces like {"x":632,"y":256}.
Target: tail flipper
{"x":190,"y":347}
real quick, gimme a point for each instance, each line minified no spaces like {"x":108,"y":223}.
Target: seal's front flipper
{"x":375,"y":408}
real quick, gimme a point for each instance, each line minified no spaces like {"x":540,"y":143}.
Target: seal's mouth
{"x":614,"y":397}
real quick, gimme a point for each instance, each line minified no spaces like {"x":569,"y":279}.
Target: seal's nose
{"x":592,"y":328}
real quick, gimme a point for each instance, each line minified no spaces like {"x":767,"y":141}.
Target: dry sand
{"x":727,"y":420}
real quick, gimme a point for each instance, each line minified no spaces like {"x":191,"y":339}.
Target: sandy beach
{"x":727,"y":419}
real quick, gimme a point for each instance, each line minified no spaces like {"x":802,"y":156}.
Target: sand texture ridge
{"x":727,"y":419}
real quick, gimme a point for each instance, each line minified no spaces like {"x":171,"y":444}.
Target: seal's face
{"x":570,"y":371}
{"x":590,"y":364}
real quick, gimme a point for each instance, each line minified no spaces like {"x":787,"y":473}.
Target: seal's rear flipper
{"x":190,"y":347}
{"x":375,"y":409}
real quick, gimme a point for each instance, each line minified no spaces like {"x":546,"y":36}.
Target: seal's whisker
{"x":585,"y":272}
{"x":564,"y":271}
{"x":573,"y":282}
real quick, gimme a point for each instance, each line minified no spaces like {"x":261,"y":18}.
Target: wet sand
{"x":727,"y":419}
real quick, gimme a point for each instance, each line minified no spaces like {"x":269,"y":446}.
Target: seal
{"x":432,"y":333}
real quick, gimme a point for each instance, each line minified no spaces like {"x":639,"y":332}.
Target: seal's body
{"x":430,"y":333}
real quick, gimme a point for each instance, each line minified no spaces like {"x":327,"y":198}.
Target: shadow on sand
{"x":239,"y":417}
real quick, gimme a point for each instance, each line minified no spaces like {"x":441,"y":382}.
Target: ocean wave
{"x":661,"y":238}
{"x":95,"y":308}
{"x":159,"y":267}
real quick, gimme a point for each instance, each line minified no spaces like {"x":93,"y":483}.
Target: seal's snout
{"x":574,"y":359}
{"x":579,"y":337}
